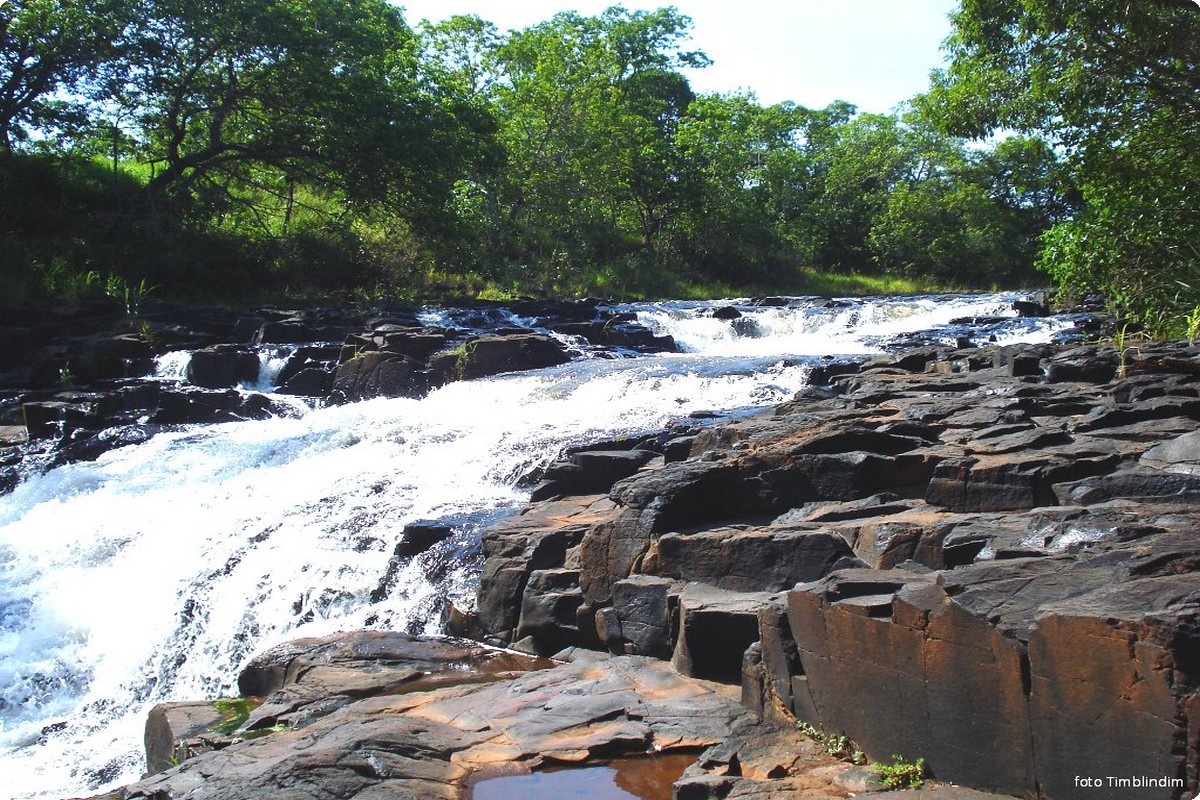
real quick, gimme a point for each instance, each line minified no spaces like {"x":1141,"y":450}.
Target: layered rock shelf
{"x":983,"y":557}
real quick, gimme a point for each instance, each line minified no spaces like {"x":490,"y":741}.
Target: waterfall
{"x":155,"y":572}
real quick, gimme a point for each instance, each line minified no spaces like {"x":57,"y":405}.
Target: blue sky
{"x":873,"y":53}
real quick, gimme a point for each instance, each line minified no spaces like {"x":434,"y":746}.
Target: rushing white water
{"x":173,"y":366}
{"x":156,"y":571}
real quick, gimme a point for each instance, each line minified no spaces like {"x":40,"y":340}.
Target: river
{"x":157,"y":571}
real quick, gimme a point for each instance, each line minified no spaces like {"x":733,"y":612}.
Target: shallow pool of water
{"x":642,"y":778}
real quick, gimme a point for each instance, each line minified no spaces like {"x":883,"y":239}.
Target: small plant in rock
{"x":837,"y":745}
{"x":1121,"y":341}
{"x":234,"y":713}
{"x":147,"y":334}
{"x":901,"y":774}
{"x":131,"y":295}
{"x":1193,"y":326}
{"x":840,"y":746}
{"x":462,"y":358}
{"x":70,"y":285}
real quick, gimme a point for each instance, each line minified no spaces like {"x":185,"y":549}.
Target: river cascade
{"x":156,"y":571}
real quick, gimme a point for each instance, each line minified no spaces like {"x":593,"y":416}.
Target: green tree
{"x":460,"y":52}
{"x":245,"y":98}
{"x":867,"y":157}
{"x":587,"y":108}
{"x":945,"y":229}
{"x":755,"y":182}
{"x":49,"y":50}
{"x":1116,"y":87}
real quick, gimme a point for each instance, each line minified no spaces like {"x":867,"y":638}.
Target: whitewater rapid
{"x":157,"y":571}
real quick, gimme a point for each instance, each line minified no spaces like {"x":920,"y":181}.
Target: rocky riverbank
{"x":983,"y":557}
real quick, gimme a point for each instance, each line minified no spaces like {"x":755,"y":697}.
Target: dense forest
{"x":329,"y":148}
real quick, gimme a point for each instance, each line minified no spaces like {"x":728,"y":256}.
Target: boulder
{"x":589,"y":472}
{"x":416,"y":343}
{"x":297,"y":331}
{"x":769,"y":694}
{"x":1141,"y":483}
{"x":379,"y":374}
{"x":848,"y":475}
{"x":886,"y":658}
{"x":764,"y":762}
{"x":650,"y":503}
{"x":641,"y":607}
{"x":492,"y":355}
{"x":416,"y":538}
{"x":1113,"y":686}
{"x":1011,"y":674}
{"x":223,"y":366}
{"x":1181,"y":454}
{"x":726,"y":312}
{"x":1154,"y":409}
{"x":192,"y":405}
{"x":515,"y":548}
{"x":637,"y":337}
{"x":308,"y":382}
{"x":433,"y":744}
{"x":1084,"y":365}
{"x":1035,"y":305}
{"x":48,"y":419}
{"x":549,"y":611}
{"x":323,"y":358}
{"x":1007,"y":481}
{"x":750,"y":560}
{"x":170,"y":725}
{"x":308,"y":677}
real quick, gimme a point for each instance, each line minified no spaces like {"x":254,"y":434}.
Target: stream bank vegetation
{"x":331,"y":150}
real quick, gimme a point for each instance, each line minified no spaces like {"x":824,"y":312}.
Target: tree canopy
{"x":327,"y":144}
{"x":1114,"y":87}
{"x":48,"y":49}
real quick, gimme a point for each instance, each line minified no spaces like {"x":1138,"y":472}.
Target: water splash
{"x":172,"y":366}
{"x":836,"y":327}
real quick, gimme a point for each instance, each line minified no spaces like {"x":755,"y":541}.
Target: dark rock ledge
{"x":983,"y":557}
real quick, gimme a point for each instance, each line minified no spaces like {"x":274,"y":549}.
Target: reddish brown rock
{"x":538,"y":539}
{"x":430,"y":744}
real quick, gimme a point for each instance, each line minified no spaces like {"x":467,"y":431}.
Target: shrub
{"x":901,"y":774}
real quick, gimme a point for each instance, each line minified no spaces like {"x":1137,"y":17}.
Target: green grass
{"x":815,"y":282}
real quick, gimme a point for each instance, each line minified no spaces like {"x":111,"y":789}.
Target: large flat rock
{"x":428,"y":744}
